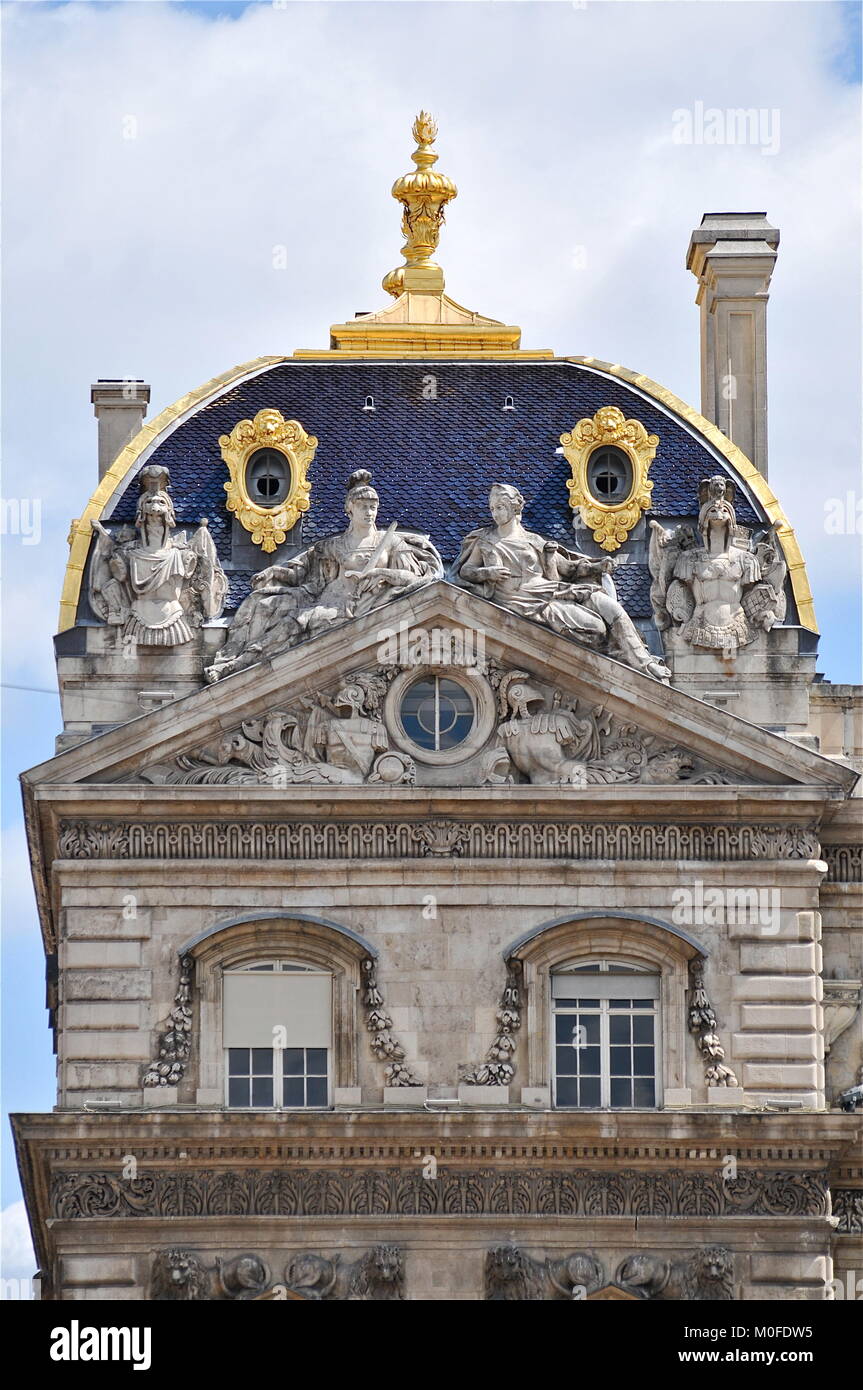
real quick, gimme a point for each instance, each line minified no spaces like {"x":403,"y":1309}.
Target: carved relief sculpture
{"x":336,"y":740}
{"x":706,"y":1275}
{"x":176,"y":1041}
{"x":384,"y":1046}
{"x":342,"y":576}
{"x":567,"y":591}
{"x":181,"y":1276}
{"x":719,"y":593}
{"x":546,"y":737}
{"x":498,"y":1069}
{"x":160,"y":586}
{"x":702,"y":1023}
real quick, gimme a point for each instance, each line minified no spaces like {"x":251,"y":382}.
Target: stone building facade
{"x":450,"y":867}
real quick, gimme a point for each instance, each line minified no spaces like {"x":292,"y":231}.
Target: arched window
{"x":605,"y":1021}
{"x":276,"y":1011}
{"x":606,"y":1036}
{"x":277,"y":1034}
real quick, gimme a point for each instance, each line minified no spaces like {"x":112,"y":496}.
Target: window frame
{"x":279,"y":965}
{"x":605,"y":997}
{"x":626,"y":939}
{"x":253,"y":941}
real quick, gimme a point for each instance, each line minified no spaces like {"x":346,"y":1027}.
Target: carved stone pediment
{"x":354,"y":732}
{"x":547,"y":712}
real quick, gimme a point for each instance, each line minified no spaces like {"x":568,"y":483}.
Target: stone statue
{"x":720,"y":593}
{"x":342,"y":576}
{"x":568,"y":591}
{"x":160,"y":586}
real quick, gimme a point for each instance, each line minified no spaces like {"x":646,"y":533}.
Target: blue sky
{"x":262,"y":125}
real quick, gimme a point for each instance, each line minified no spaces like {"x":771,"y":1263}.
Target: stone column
{"x":732,"y":255}
{"x":119,"y":407}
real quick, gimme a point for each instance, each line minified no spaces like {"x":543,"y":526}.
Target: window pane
{"x":292,"y":1061}
{"x":620,"y":1028}
{"x":238,"y":1092}
{"x":642,"y":1061}
{"x":238,"y":1061}
{"x":590,"y":1094}
{"x":567,"y":1091}
{"x":645,"y":1092}
{"x":316,"y":1090}
{"x":262,"y":1061}
{"x":566,"y":1061}
{"x":621,"y":1064}
{"x":642,"y":1030}
{"x":643,"y":1003}
{"x":316,"y":1061}
{"x":621,"y":1092}
{"x":262,"y":1091}
{"x":293,"y":1093}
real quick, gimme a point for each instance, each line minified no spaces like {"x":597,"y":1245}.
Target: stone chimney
{"x":732,"y":255}
{"x":120,"y":407}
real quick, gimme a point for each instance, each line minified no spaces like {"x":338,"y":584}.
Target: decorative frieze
{"x":327,"y":839}
{"x":182,"y":1276}
{"x":705,"y":1276}
{"x":175,"y":1043}
{"x":356,"y":1191}
{"x":844,"y":863}
{"x":847,"y":1203}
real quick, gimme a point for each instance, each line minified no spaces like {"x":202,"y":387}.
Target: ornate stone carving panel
{"x":285,"y":1191}
{"x":539,"y":840}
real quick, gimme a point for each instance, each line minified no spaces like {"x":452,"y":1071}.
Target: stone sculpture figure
{"x":159,"y":586}
{"x":566,"y":590}
{"x":719,"y":593}
{"x":342,"y":576}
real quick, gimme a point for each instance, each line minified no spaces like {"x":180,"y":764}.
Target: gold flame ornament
{"x":424,"y":195}
{"x":268,"y":430}
{"x":611,"y":522}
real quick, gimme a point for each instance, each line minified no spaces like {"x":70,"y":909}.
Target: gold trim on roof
{"x":423,"y":194}
{"x":611,"y":522}
{"x":269,"y":430}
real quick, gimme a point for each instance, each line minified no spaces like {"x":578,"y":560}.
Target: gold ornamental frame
{"x":611,"y":523}
{"x":269,"y":430}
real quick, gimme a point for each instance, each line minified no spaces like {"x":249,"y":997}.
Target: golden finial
{"x":424,"y":195}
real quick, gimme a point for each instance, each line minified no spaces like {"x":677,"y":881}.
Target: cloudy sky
{"x":157,"y":155}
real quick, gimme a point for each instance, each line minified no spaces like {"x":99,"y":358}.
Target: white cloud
{"x":17,"y":1262}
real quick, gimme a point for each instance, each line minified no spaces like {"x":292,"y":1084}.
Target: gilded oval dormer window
{"x":268,"y":477}
{"x":609,"y":475}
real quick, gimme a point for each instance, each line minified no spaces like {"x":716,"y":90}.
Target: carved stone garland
{"x":702,"y":1024}
{"x":384,"y":1046}
{"x":175,"y":1043}
{"x":498,"y":1069}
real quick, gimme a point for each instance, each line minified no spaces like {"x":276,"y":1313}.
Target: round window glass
{"x":437,"y":713}
{"x":268,"y":477}
{"x":609,"y":475}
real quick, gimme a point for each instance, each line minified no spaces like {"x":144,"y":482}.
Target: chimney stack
{"x":119,"y":407}
{"x":732,"y":255}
